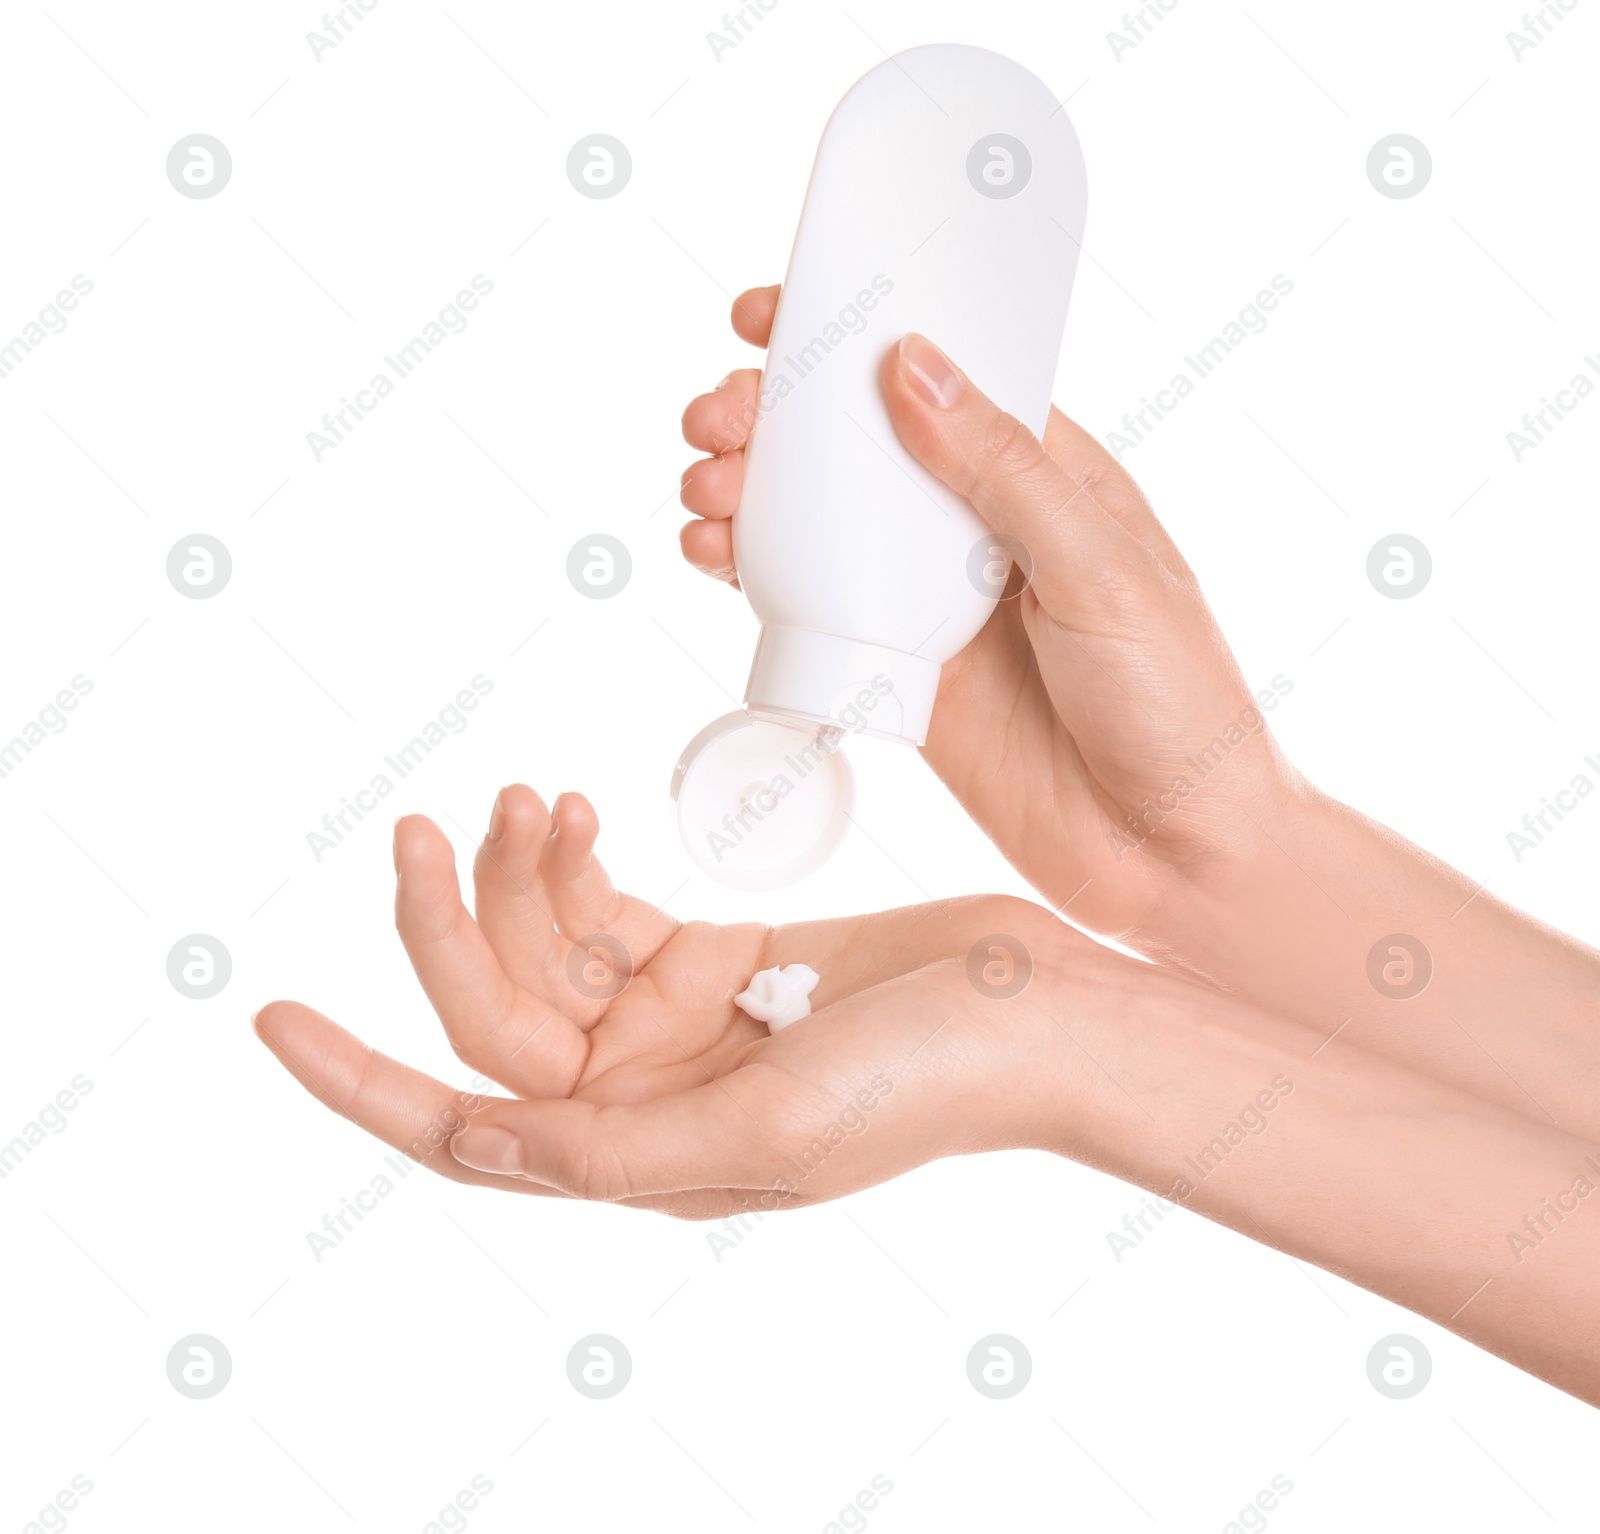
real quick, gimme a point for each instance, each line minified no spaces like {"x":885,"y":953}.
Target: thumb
{"x":703,"y":1137}
{"x":1088,"y":566}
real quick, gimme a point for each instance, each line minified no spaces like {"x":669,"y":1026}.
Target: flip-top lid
{"x":762,"y":803}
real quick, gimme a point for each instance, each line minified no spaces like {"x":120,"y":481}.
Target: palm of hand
{"x":573,"y":995}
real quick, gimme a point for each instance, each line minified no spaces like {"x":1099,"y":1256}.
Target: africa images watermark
{"x":1137,"y":829}
{"x":738,"y":25}
{"x":1202,"y":363}
{"x":1248,"y":1123}
{"x":53,"y":1515}
{"x":445,"y":1125}
{"x":338,"y":25}
{"x":1537,"y":26}
{"x":1136,"y":1224}
{"x":1138,"y":25}
{"x":783,"y":375}
{"x":1538,"y":424}
{"x":51,"y":1119}
{"x":452,"y":1517}
{"x":852,"y":1517}
{"x":766,"y":797}
{"x":1536,"y":824}
{"x":51,"y":321}
{"x":1539,"y":1226}
{"x":849,"y":1123}
{"x":354,"y":808}
{"x":402,"y":363}
{"x":50,"y":720}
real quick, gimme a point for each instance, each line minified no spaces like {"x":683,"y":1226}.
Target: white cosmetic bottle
{"x":947,"y":198}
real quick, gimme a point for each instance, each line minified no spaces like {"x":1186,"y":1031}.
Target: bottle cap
{"x":762,"y":803}
{"x":863,"y":688}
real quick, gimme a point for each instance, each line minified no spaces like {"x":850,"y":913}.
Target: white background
{"x":367,"y":188}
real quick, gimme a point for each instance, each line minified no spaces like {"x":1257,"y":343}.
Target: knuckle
{"x":1014,"y":913}
{"x":1045,"y":935}
{"x":698,"y":1209}
{"x":1023,"y":919}
{"x":1007,"y":452}
{"x":1091,"y":477}
{"x":689,"y":422}
{"x":1123,"y":593}
{"x":574,"y":1170}
{"x":425,"y":916}
{"x":351,"y":1089}
{"x":592,"y":1172}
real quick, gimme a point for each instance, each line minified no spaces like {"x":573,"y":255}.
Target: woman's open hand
{"x":659,"y":1093}
{"x":635,"y":1076}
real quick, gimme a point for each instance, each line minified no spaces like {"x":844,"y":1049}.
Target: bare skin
{"x":1395,"y":1157}
{"x":1101,"y":687}
{"x":665,"y":1096}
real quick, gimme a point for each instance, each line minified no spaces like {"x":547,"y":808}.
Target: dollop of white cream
{"x":779,"y":996}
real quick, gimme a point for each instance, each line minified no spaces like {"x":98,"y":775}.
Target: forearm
{"x":1335,"y":922}
{"x":1468,"y":1213}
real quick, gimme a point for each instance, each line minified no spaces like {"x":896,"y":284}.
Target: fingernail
{"x":933,"y":375}
{"x":497,"y":818}
{"x":487,"y":1149}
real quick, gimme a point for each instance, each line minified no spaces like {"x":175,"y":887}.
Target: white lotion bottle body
{"x":947,"y":198}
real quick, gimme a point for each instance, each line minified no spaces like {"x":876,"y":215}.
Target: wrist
{"x":1284,"y":910}
{"x":1335,"y":922}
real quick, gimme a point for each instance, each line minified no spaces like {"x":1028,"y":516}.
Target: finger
{"x":1089,"y":572}
{"x":708,"y":546}
{"x":511,"y":903}
{"x":752,"y":314}
{"x":711,"y":486}
{"x":709,"y":1203}
{"x":721,"y":420}
{"x":993,"y":692}
{"x":583,"y":898}
{"x":777,"y":1127}
{"x":404,"y":1108}
{"x":703,"y":1138}
{"x":1092,"y":465}
{"x":416,"y":1113}
{"x":496,"y":1027}
{"x":854,"y":953}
